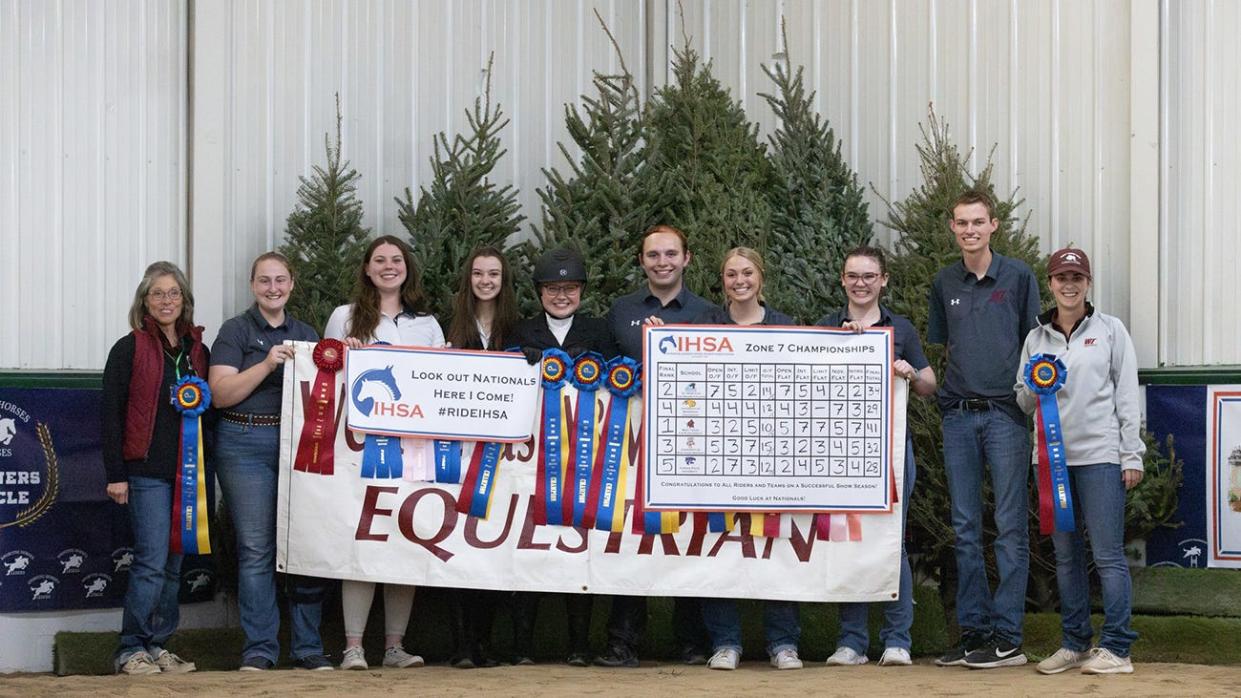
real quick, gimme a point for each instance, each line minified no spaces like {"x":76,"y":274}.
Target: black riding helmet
{"x":559,"y":265}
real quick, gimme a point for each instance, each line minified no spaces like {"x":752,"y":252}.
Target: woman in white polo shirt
{"x":388,"y":306}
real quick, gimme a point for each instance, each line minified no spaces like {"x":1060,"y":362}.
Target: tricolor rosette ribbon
{"x":587,"y":376}
{"x":549,"y":472}
{"x":317,"y":446}
{"x":607,"y":482}
{"x":189,"y":536}
{"x":1045,"y":375}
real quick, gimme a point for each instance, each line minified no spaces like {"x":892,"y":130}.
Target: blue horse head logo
{"x":378,"y":377}
{"x":666,"y":344}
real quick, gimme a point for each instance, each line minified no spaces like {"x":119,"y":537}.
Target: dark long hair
{"x":463,"y":332}
{"x":364,"y":317}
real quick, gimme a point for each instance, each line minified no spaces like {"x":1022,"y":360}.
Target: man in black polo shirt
{"x":982,"y":308}
{"x":663,"y":255}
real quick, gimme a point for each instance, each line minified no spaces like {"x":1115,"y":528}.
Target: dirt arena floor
{"x":651,"y":679}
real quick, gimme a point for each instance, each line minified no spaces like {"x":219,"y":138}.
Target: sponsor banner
{"x":769,"y":419}
{"x":63,"y":543}
{"x":1180,"y":412}
{"x":341,"y":525}
{"x":441,"y":393}
{"x":1223,"y":475}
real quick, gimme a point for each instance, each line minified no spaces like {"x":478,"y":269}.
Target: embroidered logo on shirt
{"x":1089,"y":341}
{"x":955,"y":301}
{"x":997,"y":296}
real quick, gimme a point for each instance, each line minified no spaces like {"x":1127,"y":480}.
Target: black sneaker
{"x":617,"y":656}
{"x":313,"y":662}
{"x":995,"y":655}
{"x":256,"y":664}
{"x":970,"y":641}
{"x":578,"y":659}
{"x":693,"y":656}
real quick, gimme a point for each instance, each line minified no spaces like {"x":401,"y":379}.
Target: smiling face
{"x":664,"y":259}
{"x":163,"y":301}
{"x":486,"y":278}
{"x":972,"y":224}
{"x":561,"y":298}
{"x":863,"y":280}
{"x":271,"y":285}
{"x":386,"y":268}
{"x":1070,"y":289}
{"x":743,"y":281}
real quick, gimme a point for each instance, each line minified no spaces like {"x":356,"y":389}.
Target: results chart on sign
{"x":762,"y":419}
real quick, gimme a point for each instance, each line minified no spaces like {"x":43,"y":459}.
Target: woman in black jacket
{"x":559,"y":279}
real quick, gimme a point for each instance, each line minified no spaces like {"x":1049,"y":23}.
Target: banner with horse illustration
{"x":483,"y":514}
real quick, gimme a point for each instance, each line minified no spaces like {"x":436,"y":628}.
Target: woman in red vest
{"x":141,"y":453}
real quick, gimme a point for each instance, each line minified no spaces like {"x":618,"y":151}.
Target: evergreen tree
{"x":463,"y":209}
{"x":608,"y":197}
{"x":324,"y":237}
{"x":926,"y":245}
{"x":702,"y":146}
{"x":818,"y":210}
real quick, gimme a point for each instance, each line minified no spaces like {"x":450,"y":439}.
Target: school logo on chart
{"x":694,"y":344}
{"x":29,"y":477}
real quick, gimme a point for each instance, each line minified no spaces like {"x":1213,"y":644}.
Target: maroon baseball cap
{"x":1069,"y":259}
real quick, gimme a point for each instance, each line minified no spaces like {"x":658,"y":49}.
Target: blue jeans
{"x":898,"y":615}
{"x":246,"y":461}
{"x":994,"y":438}
{"x":151,"y":610}
{"x":1099,"y":507}
{"x":781,"y":624}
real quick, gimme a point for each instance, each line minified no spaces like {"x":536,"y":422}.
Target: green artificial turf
{"x":1191,"y":592}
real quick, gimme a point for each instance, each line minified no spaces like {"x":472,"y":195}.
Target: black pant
{"x":628,"y":622}
{"x":471,"y":613}
{"x":526,"y":613}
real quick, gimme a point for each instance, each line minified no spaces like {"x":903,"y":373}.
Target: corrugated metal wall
{"x":92,"y":169}
{"x":1139,"y":171}
{"x":1201,"y":193}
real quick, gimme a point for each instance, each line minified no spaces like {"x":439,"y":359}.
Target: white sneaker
{"x":138,"y":664}
{"x":895,"y":656}
{"x":845,"y":656}
{"x":354,"y":658}
{"x":1063,"y":660}
{"x":1104,"y":662}
{"x":396,"y":656}
{"x":170,"y":663}
{"x":786,"y":659}
{"x":725,"y":659}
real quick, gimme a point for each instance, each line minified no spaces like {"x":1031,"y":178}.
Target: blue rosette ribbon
{"x":587,"y":376}
{"x":1045,"y":375}
{"x":607,"y":491}
{"x":549,"y":473}
{"x":189,"y":536}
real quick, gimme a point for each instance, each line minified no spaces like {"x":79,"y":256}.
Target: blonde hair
{"x":138,"y":309}
{"x":752,"y":256}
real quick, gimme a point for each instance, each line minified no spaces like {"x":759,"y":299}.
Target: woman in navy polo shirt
{"x":864,"y":276}
{"x":742,"y":274}
{"x":247,"y":374}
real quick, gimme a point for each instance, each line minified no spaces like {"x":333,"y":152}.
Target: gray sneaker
{"x":138,"y":664}
{"x":396,"y":657}
{"x":354,"y":658}
{"x":170,"y":663}
{"x":1063,"y":660}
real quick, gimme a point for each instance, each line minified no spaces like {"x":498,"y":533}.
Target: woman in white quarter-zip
{"x":1100,"y":426}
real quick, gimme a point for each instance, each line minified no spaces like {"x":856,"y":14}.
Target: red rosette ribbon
{"x":317,"y":446}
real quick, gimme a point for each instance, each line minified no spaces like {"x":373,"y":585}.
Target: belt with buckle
{"x":977,"y":404}
{"x":253,"y":420}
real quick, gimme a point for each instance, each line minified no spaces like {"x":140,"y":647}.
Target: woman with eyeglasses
{"x":247,"y":379}
{"x":142,"y":457}
{"x":388,"y":306}
{"x":864,"y":276}
{"x":559,"y":279}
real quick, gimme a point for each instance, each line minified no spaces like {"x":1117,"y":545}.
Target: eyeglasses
{"x":868,"y":278}
{"x":169,"y":295}
{"x":566,"y":290}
